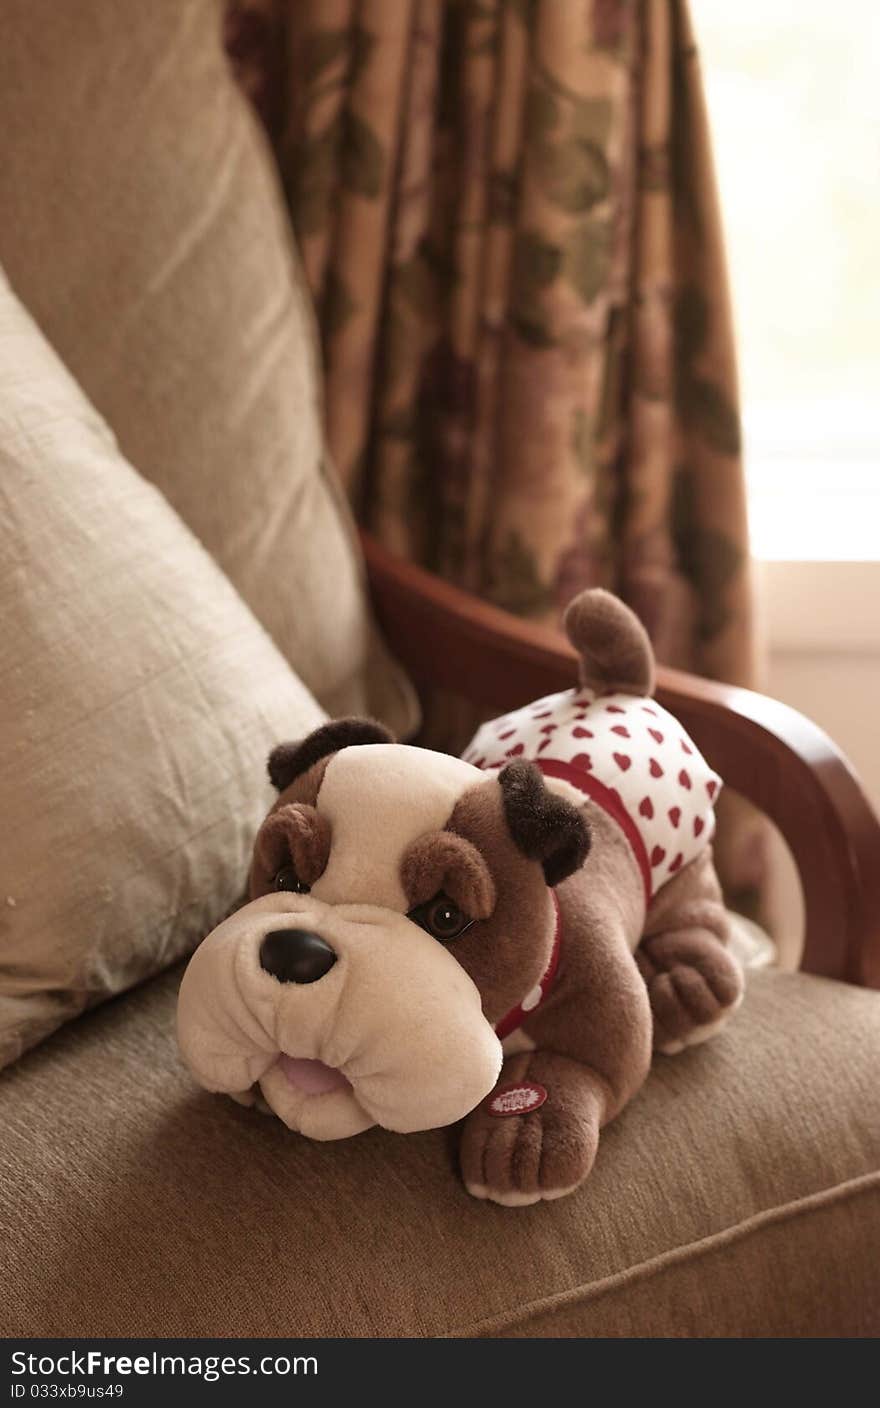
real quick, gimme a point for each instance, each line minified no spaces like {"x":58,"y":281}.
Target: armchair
{"x":737,"y":1195}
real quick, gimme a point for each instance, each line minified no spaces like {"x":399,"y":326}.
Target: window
{"x":793,"y":89}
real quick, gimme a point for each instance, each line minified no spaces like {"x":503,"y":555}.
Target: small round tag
{"x":519,"y":1099}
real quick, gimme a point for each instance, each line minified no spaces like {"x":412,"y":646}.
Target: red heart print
{"x":698,"y":825}
{"x":579,"y":717}
{"x":480,"y":763}
{"x":515,"y":752}
{"x":686,"y":748}
{"x":646,"y":807}
{"x":508,"y":734}
{"x":712,"y":788}
{"x":656,"y":735}
{"x":676,"y":864}
{"x":581,"y":733}
{"x":684,"y":778}
{"x":655,"y":768}
{"x":621,"y":730}
{"x":675,"y":815}
{"x":623,"y":761}
{"x":647,"y":710}
{"x":549,"y":728}
{"x":614,"y":709}
{"x":657,"y":855}
{"x":582,"y":760}
{"x":545,"y":743}
{"x":545,"y":714}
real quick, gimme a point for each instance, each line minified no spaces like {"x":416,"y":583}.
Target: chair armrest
{"x":768,"y":752}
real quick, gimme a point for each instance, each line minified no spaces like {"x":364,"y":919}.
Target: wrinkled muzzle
{"x":392,"y":1033}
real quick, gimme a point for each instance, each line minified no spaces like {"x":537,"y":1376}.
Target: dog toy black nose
{"x":296,"y":955}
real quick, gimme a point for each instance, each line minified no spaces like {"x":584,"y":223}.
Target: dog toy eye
{"x":287,"y":879}
{"x":441,"y":917}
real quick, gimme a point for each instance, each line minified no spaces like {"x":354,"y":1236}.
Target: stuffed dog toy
{"x":497,"y":938}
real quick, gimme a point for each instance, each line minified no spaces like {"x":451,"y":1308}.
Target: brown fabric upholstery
{"x":738,"y":1195}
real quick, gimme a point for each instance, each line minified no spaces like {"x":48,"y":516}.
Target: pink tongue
{"x":312,"y":1077}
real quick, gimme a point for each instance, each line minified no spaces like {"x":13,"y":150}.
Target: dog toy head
{"x":401,"y":909}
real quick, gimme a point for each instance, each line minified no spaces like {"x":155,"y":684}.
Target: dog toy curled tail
{"x":615,"y":652}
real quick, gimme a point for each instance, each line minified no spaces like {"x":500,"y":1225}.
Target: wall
{"x":821,"y":622}
{"x":821,"y":627}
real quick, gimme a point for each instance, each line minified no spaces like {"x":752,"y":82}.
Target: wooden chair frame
{"x":768,"y":752}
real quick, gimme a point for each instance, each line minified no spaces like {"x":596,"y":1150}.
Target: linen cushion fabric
{"x":738,"y":1195}
{"x":142,"y":225}
{"x":138,"y":701}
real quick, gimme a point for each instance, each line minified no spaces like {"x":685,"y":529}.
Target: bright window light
{"x":794,"y":97}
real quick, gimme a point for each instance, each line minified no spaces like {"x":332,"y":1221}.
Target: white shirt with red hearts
{"x":628,"y":755}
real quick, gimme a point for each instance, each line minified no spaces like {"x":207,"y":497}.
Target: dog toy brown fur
{"x":497,"y":939}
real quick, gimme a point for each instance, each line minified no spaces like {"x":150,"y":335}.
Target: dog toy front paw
{"x":535,"y":1136}
{"x":694,"y":985}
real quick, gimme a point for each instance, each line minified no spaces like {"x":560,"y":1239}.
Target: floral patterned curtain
{"x":507,"y":214}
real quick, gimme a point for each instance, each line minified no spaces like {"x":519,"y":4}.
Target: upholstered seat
{"x":735,"y":1196}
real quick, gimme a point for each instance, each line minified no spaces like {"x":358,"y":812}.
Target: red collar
{"x":532,"y":1000}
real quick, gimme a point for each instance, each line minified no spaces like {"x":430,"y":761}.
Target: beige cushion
{"x":138,"y":701}
{"x":141,"y":224}
{"x":738,"y":1195}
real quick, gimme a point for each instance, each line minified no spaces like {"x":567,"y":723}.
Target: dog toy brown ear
{"x":544,"y":826}
{"x":616,"y":653}
{"x":289,"y":760}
